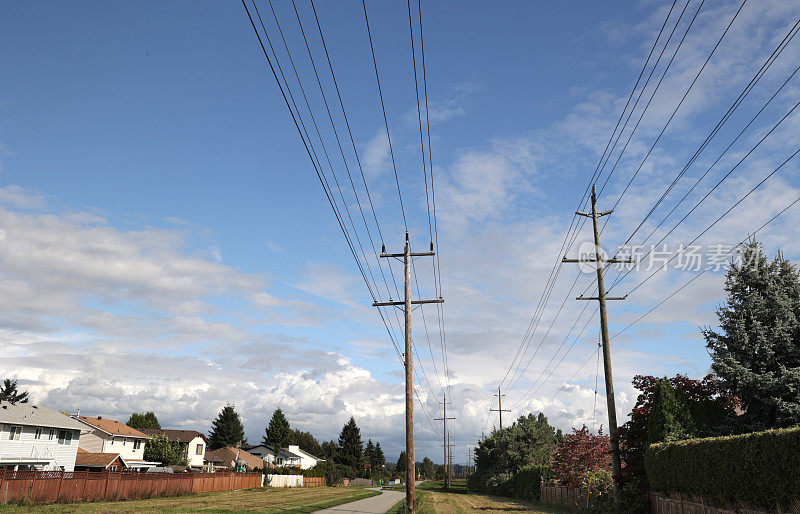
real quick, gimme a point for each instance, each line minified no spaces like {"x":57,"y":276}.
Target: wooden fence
{"x":676,"y":503}
{"x":573,"y":498}
{"x":66,"y":486}
{"x":313,"y":481}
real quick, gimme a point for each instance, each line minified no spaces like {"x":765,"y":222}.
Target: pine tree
{"x":143,"y":420}
{"x":380,"y":459}
{"x":757,"y":352}
{"x":400,"y":468}
{"x":278,"y":432}
{"x":369,"y":453}
{"x":9,"y":392}
{"x":351,"y":449}
{"x":226,"y":430}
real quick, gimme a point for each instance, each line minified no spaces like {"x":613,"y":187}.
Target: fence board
{"x":66,"y":486}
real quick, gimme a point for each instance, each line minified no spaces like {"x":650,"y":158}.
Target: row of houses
{"x":34,"y":437}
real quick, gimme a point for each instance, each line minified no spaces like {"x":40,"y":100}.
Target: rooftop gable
{"x":111,"y":427}
{"x":34,"y":415}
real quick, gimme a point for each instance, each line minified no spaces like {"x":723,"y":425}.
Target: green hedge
{"x":525,"y":484}
{"x":761,"y":469}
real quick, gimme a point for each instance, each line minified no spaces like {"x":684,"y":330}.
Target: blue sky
{"x":167,"y":246}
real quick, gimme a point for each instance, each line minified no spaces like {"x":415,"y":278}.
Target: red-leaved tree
{"x":580,"y":452}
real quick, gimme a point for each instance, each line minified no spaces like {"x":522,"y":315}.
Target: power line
{"x":385,"y":118}
{"x":554,"y":272}
{"x":698,"y":275}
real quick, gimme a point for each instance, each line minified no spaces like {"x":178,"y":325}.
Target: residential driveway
{"x":375,"y":505}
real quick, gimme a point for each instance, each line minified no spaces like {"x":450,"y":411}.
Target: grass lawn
{"x":435,"y":499}
{"x":271,"y":500}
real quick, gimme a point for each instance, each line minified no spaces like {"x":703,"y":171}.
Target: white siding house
{"x":110,"y":436}
{"x":286,"y":457}
{"x":307,"y":461}
{"x":33,"y":437}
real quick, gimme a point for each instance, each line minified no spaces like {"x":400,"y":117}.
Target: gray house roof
{"x":32,"y":415}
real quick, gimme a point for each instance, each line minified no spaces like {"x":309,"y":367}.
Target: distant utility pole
{"x":469,"y":461}
{"x":444,"y":419}
{"x":600,"y":263}
{"x":500,"y":407}
{"x":406,"y":257}
{"x":450,"y":457}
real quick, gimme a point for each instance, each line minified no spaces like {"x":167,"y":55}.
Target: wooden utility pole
{"x":500,"y":407}
{"x":444,"y":419}
{"x":600,"y":261}
{"x":406,"y":257}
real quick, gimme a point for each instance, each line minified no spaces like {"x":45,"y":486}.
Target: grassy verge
{"x":434,"y":497}
{"x":269,"y":500}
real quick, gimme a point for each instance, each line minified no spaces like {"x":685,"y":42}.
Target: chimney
{"x":99,"y":417}
{"x":79,"y":412}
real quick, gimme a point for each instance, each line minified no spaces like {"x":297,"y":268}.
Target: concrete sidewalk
{"x":375,"y":505}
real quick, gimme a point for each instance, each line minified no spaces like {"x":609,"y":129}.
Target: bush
{"x":527,"y":482}
{"x":581,"y":452}
{"x":760,"y":470}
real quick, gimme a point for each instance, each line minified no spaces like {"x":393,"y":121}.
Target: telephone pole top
{"x":500,"y":407}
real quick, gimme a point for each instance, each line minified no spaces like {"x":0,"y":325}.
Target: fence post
{"x":60,"y":483}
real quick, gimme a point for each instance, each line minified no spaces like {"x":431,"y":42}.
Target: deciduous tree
{"x":581,"y":452}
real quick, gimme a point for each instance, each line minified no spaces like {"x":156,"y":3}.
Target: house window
{"x":52,"y":434}
{"x":199,"y":450}
{"x":124,"y":440}
{"x":65,"y":437}
{"x":13,"y":433}
{"x":38,"y":434}
{"x":112,"y":439}
{"x":112,"y":468}
{"x":137,"y":443}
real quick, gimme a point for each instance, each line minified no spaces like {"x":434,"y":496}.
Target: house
{"x":110,"y":436}
{"x":87,"y":461}
{"x":193,"y":443}
{"x":227,"y":457}
{"x":285,"y":458}
{"x":307,"y":461}
{"x":34,"y":437}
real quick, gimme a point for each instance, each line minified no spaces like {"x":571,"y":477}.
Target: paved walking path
{"x":375,"y":505}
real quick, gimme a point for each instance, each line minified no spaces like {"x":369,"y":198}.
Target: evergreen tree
{"x":400,"y":468}
{"x":305,"y":441}
{"x":428,"y":469}
{"x":351,"y":448}
{"x":369,"y":453}
{"x":670,"y":418}
{"x":226,"y":430}
{"x":143,"y":420}
{"x":329,"y":451}
{"x":757,"y":352}
{"x":278,"y":432}
{"x":380,"y":459}
{"x":10,"y":393}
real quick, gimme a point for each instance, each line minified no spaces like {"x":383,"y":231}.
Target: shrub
{"x":760,"y":469}
{"x":580,"y":452}
{"x":528,"y":480}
